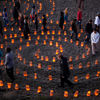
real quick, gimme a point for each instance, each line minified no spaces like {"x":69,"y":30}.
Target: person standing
{"x":89,"y":30}
{"x":74,"y":29}
{"x":61,"y":22}
{"x":97,"y":21}
{"x":9,"y":63}
{"x":44,"y":22}
{"x":5,"y":17}
{"x":26,"y":28}
{"x":66,"y":14}
{"x":95,"y":38}
{"x":79,"y":18}
{"x":81,"y":2}
{"x":0,"y":59}
{"x":15,"y":16}
{"x":1,"y":28}
{"x":65,"y":73}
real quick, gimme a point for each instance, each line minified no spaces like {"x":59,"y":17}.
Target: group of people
{"x":91,"y":34}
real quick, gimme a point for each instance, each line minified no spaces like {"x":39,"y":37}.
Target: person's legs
{"x":96,"y":47}
{"x":62,"y":81}
{"x":17,"y":22}
{"x":68,"y":82}
{"x":93,"y":48}
{"x":76,"y":34}
{"x":13,"y":22}
{"x":10,"y":73}
{"x":79,"y":5}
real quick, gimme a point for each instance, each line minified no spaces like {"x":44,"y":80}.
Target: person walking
{"x":44,"y":22}
{"x":0,"y":59}
{"x":81,"y":2}
{"x":9,"y":63}
{"x":79,"y":18}
{"x":65,"y":73}
{"x":1,"y":27}
{"x":66,"y":14}
{"x":5,"y":17}
{"x":97,"y":21}
{"x":61,"y":22}
{"x":95,"y":38}
{"x":26,"y":28}
{"x":89,"y":30}
{"x":15,"y":16}
{"x":74,"y":29}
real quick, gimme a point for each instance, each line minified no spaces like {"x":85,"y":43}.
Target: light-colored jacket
{"x":95,"y":37}
{"x":97,"y":21}
{"x":9,"y":62}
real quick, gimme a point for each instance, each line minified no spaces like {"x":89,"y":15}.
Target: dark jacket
{"x":26,"y":30}
{"x":44,"y":21}
{"x":17,"y":4}
{"x":64,"y":68}
{"x":21,"y":22}
{"x":74,"y":28}
{"x":61,"y":19}
{"x":89,"y":28}
{"x":15,"y":13}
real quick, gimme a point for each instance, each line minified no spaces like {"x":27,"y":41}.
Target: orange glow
{"x":12,"y":28}
{"x":54,"y":59}
{"x":77,"y":58}
{"x":65,"y":39}
{"x":27,"y":87}
{"x":25,"y":73}
{"x":39,"y":65}
{"x":12,"y":41}
{"x":57,"y":52}
{"x":10,"y":35}
{"x":75,"y":79}
{"x":88,"y":64}
{"x":50,"y":77}
{"x":96,"y":92}
{"x":70,"y":28}
{"x":71,"y":41}
{"x":96,"y":62}
{"x":39,"y":89}
{"x":17,"y":72}
{"x":36,"y":42}
{"x":5,"y":29}
{"x":88,"y":93}
{"x":1,"y":46}
{"x":9,"y":85}
{"x":53,"y":32}
{"x":20,"y":48}
{"x":38,"y":37}
{"x":70,"y":58}
{"x":35,"y":75}
{"x":83,"y":55}
{"x":65,"y":94}
{"x":57,"y":22}
{"x":16,"y":86}
{"x":49,"y":67}
{"x":87,"y":76}
{"x":31,"y":64}
{"x":15,"y":35}
{"x":76,"y":94}
{"x":42,"y":57}
{"x":71,"y":66}
{"x":51,"y":92}
{"x":42,"y":33}
{"x":22,"y":34}
{"x":52,"y":37}
{"x":1,"y":83}
{"x":80,"y":65}
{"x":51,"y":43}
{"x":46,"y":58}
{"x":57,"y":44}
{"x":44,"y":42}
{"x":1,"y":62}
{"x":21,"y":40}
{"x":27,"y":44}
{"x":77,"y":42}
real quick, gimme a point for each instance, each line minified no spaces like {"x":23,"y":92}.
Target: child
{"x":44,"y":22}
